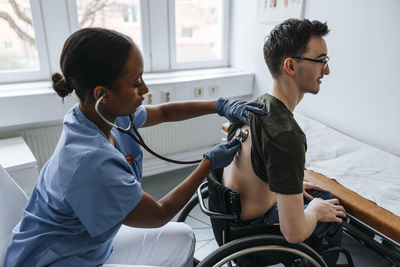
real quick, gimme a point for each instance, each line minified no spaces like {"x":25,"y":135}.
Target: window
{"x":172,"y":34}
{"x":19,"y":56}
{"x":187,"y":32}
{"x":129,"y":13}
{"x":116,"y":15}
{"x":213,"y":11}
{"x":7,"y":45}
{"x":208,"y":45}
{"x":13,"y":28}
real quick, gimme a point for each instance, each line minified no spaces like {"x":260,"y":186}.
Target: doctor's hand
{"x":223,"y":154}
{"x":238,"y":112}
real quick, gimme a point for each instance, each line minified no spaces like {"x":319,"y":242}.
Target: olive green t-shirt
{"x":278,"y":147}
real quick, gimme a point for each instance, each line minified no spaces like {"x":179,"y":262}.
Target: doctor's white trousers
{"x":171,"y":245}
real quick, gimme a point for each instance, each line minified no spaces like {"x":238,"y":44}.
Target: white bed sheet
{"x":368,"y":171}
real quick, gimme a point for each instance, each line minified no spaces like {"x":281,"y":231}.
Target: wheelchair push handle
{"x":212,"y":214}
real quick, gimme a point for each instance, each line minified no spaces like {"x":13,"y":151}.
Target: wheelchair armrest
{"x":211,"y":214}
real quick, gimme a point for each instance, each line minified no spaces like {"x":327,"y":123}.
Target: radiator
{"x":185,"y":140}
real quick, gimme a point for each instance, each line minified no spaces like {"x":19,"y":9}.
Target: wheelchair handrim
{"x":266,"y":248}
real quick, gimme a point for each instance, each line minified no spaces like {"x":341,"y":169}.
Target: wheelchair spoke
{"x":204,"y":221}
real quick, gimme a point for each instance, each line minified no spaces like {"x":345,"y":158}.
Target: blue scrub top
{"x":82,"y":194}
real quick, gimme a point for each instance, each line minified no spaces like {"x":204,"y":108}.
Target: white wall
{"x":360,"y":97}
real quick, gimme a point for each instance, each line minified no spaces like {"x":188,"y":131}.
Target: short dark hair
{"x":290,"y":38}
{"x":91,"y":57}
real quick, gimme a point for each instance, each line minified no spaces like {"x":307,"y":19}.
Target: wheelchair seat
{"x":243,"y":243}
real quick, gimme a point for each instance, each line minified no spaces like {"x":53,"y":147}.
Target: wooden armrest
{"x":361,"y":208}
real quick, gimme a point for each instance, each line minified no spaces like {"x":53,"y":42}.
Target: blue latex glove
{"x":238,"y":112}
{"x":222,"y":155}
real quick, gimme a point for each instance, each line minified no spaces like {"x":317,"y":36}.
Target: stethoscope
{"x":240,"y":135}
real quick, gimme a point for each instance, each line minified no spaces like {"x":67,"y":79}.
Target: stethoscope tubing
{"x":138,"y":138}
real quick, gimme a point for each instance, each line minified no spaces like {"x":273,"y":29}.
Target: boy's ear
{"x":289,"y":66}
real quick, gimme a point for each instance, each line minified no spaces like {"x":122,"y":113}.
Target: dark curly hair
{"x":91,"y":57}
{"x":290,"y":38}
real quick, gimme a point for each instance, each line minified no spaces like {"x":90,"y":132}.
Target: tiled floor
{"x":159,"y":185}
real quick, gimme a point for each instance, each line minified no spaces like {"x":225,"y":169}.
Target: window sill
{"x":25,"y":104}
{"x":191,"y":75}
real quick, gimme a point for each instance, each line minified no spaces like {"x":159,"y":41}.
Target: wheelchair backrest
{"x":224,"y":200}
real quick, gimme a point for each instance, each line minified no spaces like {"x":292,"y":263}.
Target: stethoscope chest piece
{"x":241,"y":135}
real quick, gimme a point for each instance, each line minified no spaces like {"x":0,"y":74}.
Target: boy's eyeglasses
{"x":323,"y":61}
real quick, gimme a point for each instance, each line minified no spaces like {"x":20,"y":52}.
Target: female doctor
{"x":91,"y":186}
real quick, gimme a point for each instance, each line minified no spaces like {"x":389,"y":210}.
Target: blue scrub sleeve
{"x":140,"y":116}
{"x":102,"y":191}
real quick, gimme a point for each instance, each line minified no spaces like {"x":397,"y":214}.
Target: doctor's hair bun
{"x":61,"y":85}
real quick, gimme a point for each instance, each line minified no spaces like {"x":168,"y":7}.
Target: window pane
{"x":120,"y":15}
{"x":17,"y":43}
{"x":198,"y":28}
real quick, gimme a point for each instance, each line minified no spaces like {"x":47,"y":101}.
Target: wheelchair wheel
{"x":192,"y":215}
{"x":255,"y":246}
{"x":187,"y":210}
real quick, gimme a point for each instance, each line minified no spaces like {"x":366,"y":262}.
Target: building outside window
{"x":7,"y":45}
{"x":129,"y":14}
{"x":187,"y":32}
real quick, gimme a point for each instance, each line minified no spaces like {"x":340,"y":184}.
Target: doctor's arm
{"x":151,"y":213}
{"x":234,"y":110}
{"x":177,"y":111}
{"x":297,"y":223}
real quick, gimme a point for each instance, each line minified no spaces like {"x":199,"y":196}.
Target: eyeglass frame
{"x":325,"y":62}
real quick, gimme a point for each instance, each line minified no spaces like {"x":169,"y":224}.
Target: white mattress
{"x":368,"y":171}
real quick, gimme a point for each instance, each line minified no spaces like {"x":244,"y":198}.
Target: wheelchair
{"x":242,"y":244}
